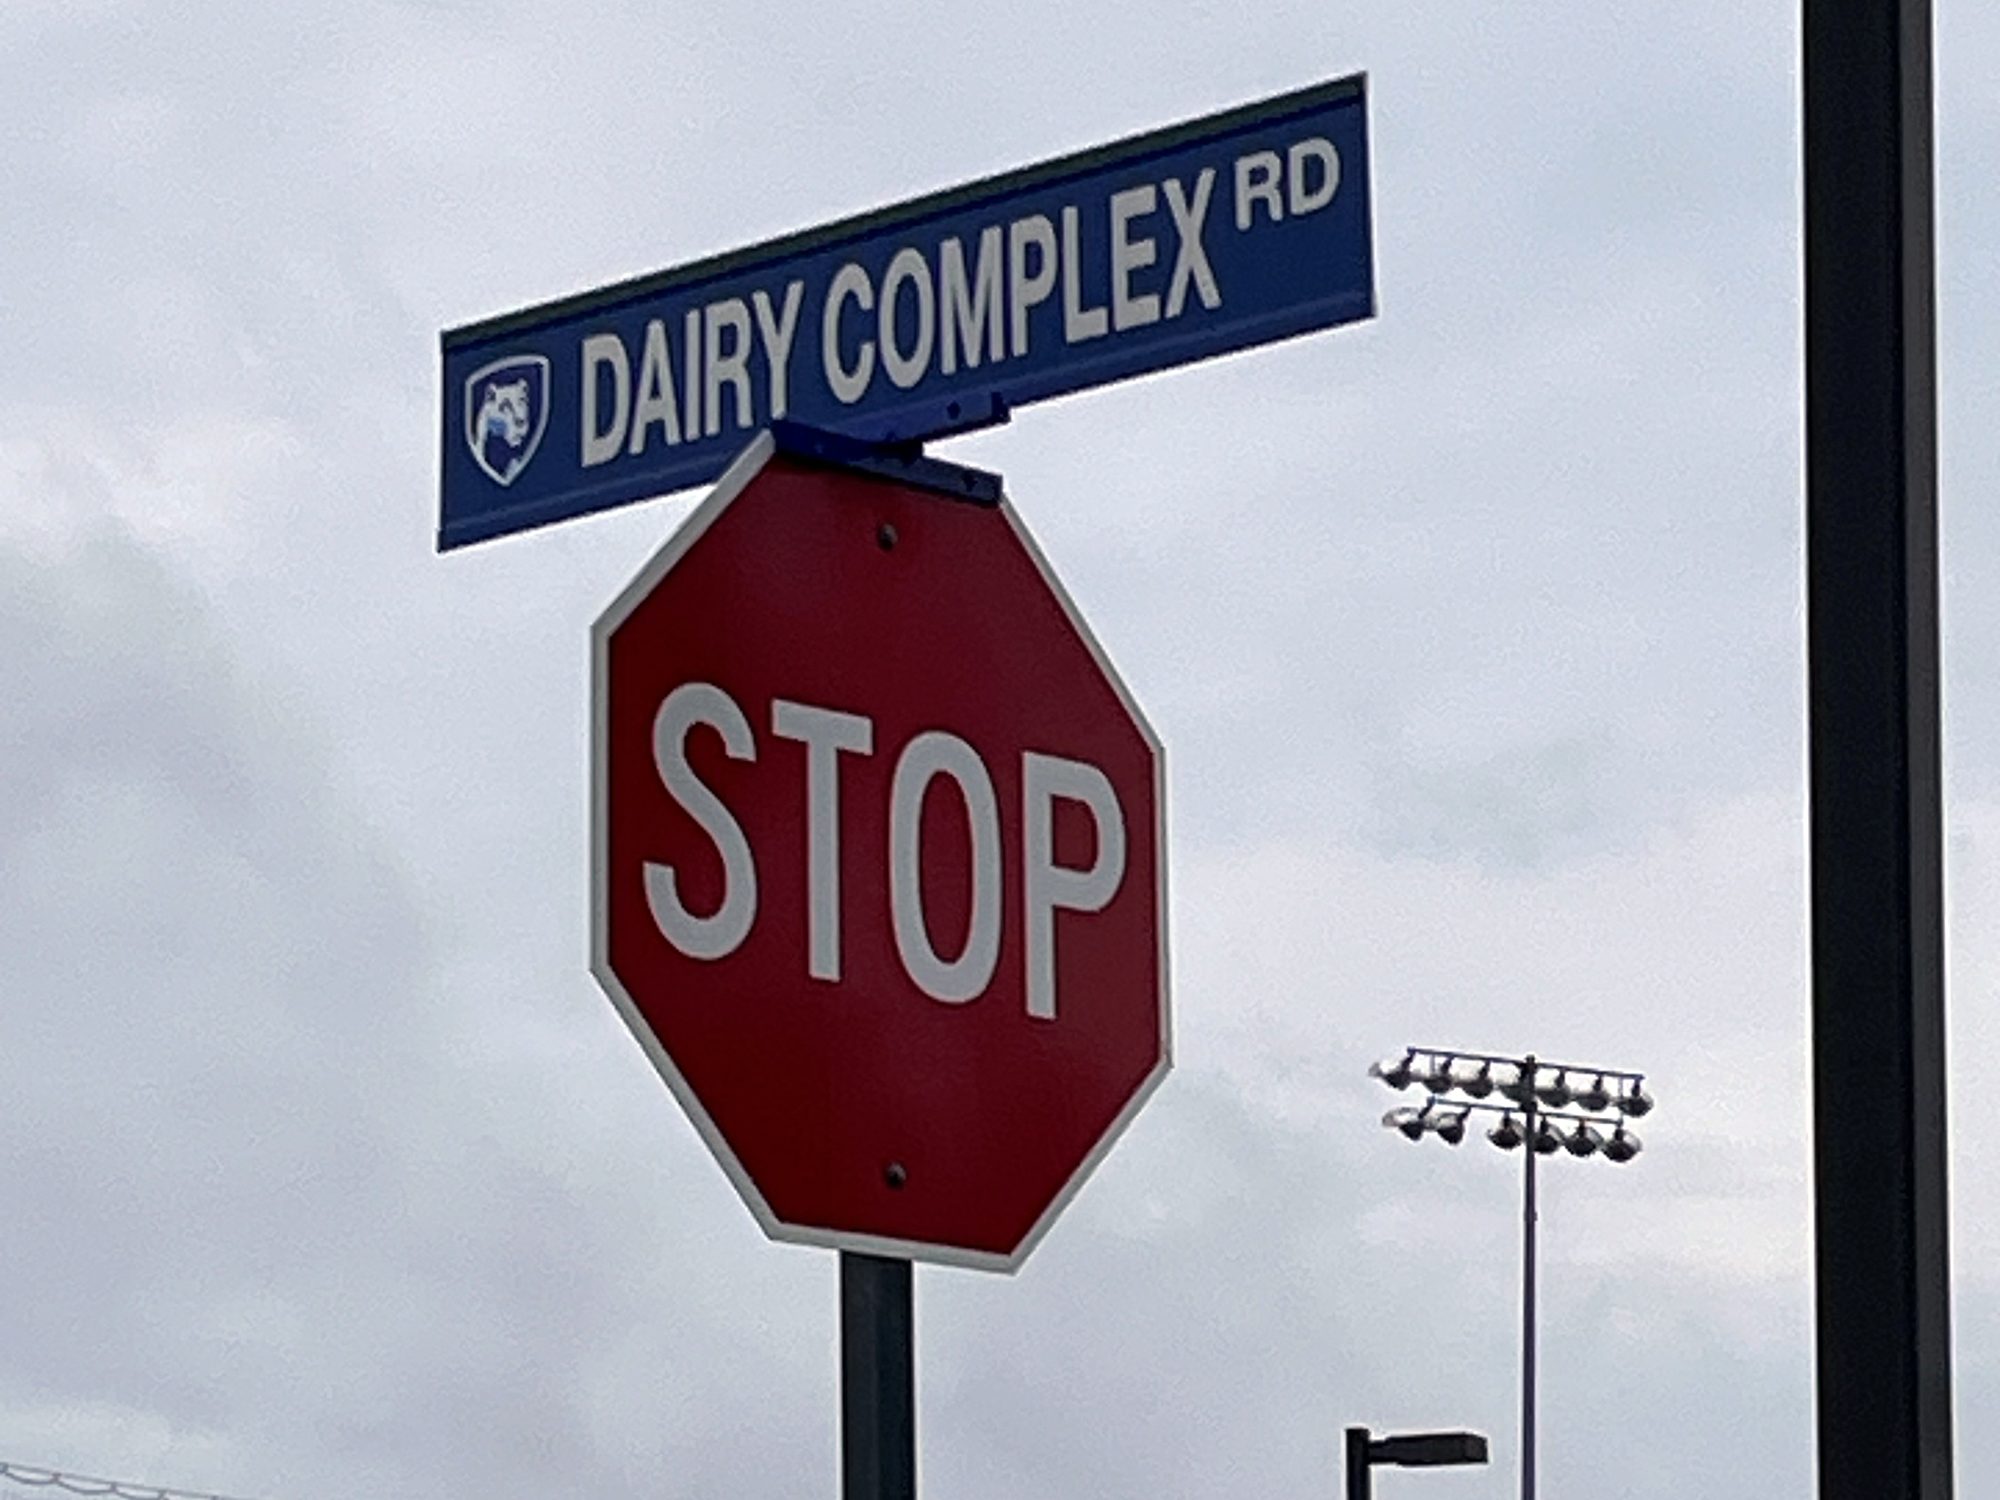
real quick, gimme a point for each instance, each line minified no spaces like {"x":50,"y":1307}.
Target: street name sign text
{"x":932,"y":316}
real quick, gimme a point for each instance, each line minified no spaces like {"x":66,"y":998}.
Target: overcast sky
{"x":1473,"y":633}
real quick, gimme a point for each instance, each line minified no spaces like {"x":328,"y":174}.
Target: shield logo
{"x":506,"y":413}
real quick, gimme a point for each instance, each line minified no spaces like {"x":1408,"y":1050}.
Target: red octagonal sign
{"x":878,"y":876}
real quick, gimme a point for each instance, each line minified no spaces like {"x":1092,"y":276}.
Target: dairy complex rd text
{"x":932,"y":316}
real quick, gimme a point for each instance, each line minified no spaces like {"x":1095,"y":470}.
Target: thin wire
{"x":84,"y":1484}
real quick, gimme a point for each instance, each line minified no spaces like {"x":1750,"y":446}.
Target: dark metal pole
{"x":878,"y":1416}
{"x":1883,"y":1289}
{"x":1360,"y":1472}
{"x":1528,"y":1289}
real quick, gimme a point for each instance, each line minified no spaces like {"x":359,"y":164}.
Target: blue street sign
{"x":933,"y":316}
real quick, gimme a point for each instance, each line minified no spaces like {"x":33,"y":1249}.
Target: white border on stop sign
{"x":747,"y":465}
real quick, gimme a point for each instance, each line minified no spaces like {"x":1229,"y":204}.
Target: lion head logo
{"x":506,"y":413}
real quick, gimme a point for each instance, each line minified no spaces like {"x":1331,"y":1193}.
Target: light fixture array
{"x":1581,"y":1110}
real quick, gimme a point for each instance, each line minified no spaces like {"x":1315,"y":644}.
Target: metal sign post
{"x":1880,"y":1204}
{"x":878,"y":1383}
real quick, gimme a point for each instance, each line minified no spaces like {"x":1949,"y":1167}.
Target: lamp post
{"x":1412,"y":1450}
{"x":1547,"y":1097}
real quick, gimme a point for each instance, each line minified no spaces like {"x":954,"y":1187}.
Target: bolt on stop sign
{"x":878,"y":876}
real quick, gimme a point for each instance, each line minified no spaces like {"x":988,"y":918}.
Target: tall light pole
{"x":1547,"y":1097}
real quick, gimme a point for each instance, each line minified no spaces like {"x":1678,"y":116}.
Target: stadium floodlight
{"x":1440,"y":1079}
{"x":1622,"y":1146}
{"x":1547,"y":1108}
{"x":1395,"y":1074}
{"x":1556,"y":1093}
{"x":1480,"y":1084}
{"x":1407,"y":1119}
{"x":1582,"y":1141}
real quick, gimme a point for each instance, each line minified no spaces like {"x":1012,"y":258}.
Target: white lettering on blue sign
{"x":934,"y":311}
{"x":718,"y":347}
{"x":971,"y":310}
{"x":920,"y":320}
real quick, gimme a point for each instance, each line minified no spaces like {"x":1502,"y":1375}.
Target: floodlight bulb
{"x":1635,"y":1101}
{"x":1556,"y":1093}
{"x":1395,"y":1074}
{"x":1582,"y":1141}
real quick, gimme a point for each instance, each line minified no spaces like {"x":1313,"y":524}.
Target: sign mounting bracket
{"x":906,"y":463}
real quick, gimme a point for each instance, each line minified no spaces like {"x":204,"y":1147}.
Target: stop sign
{"x":877,"y":861}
